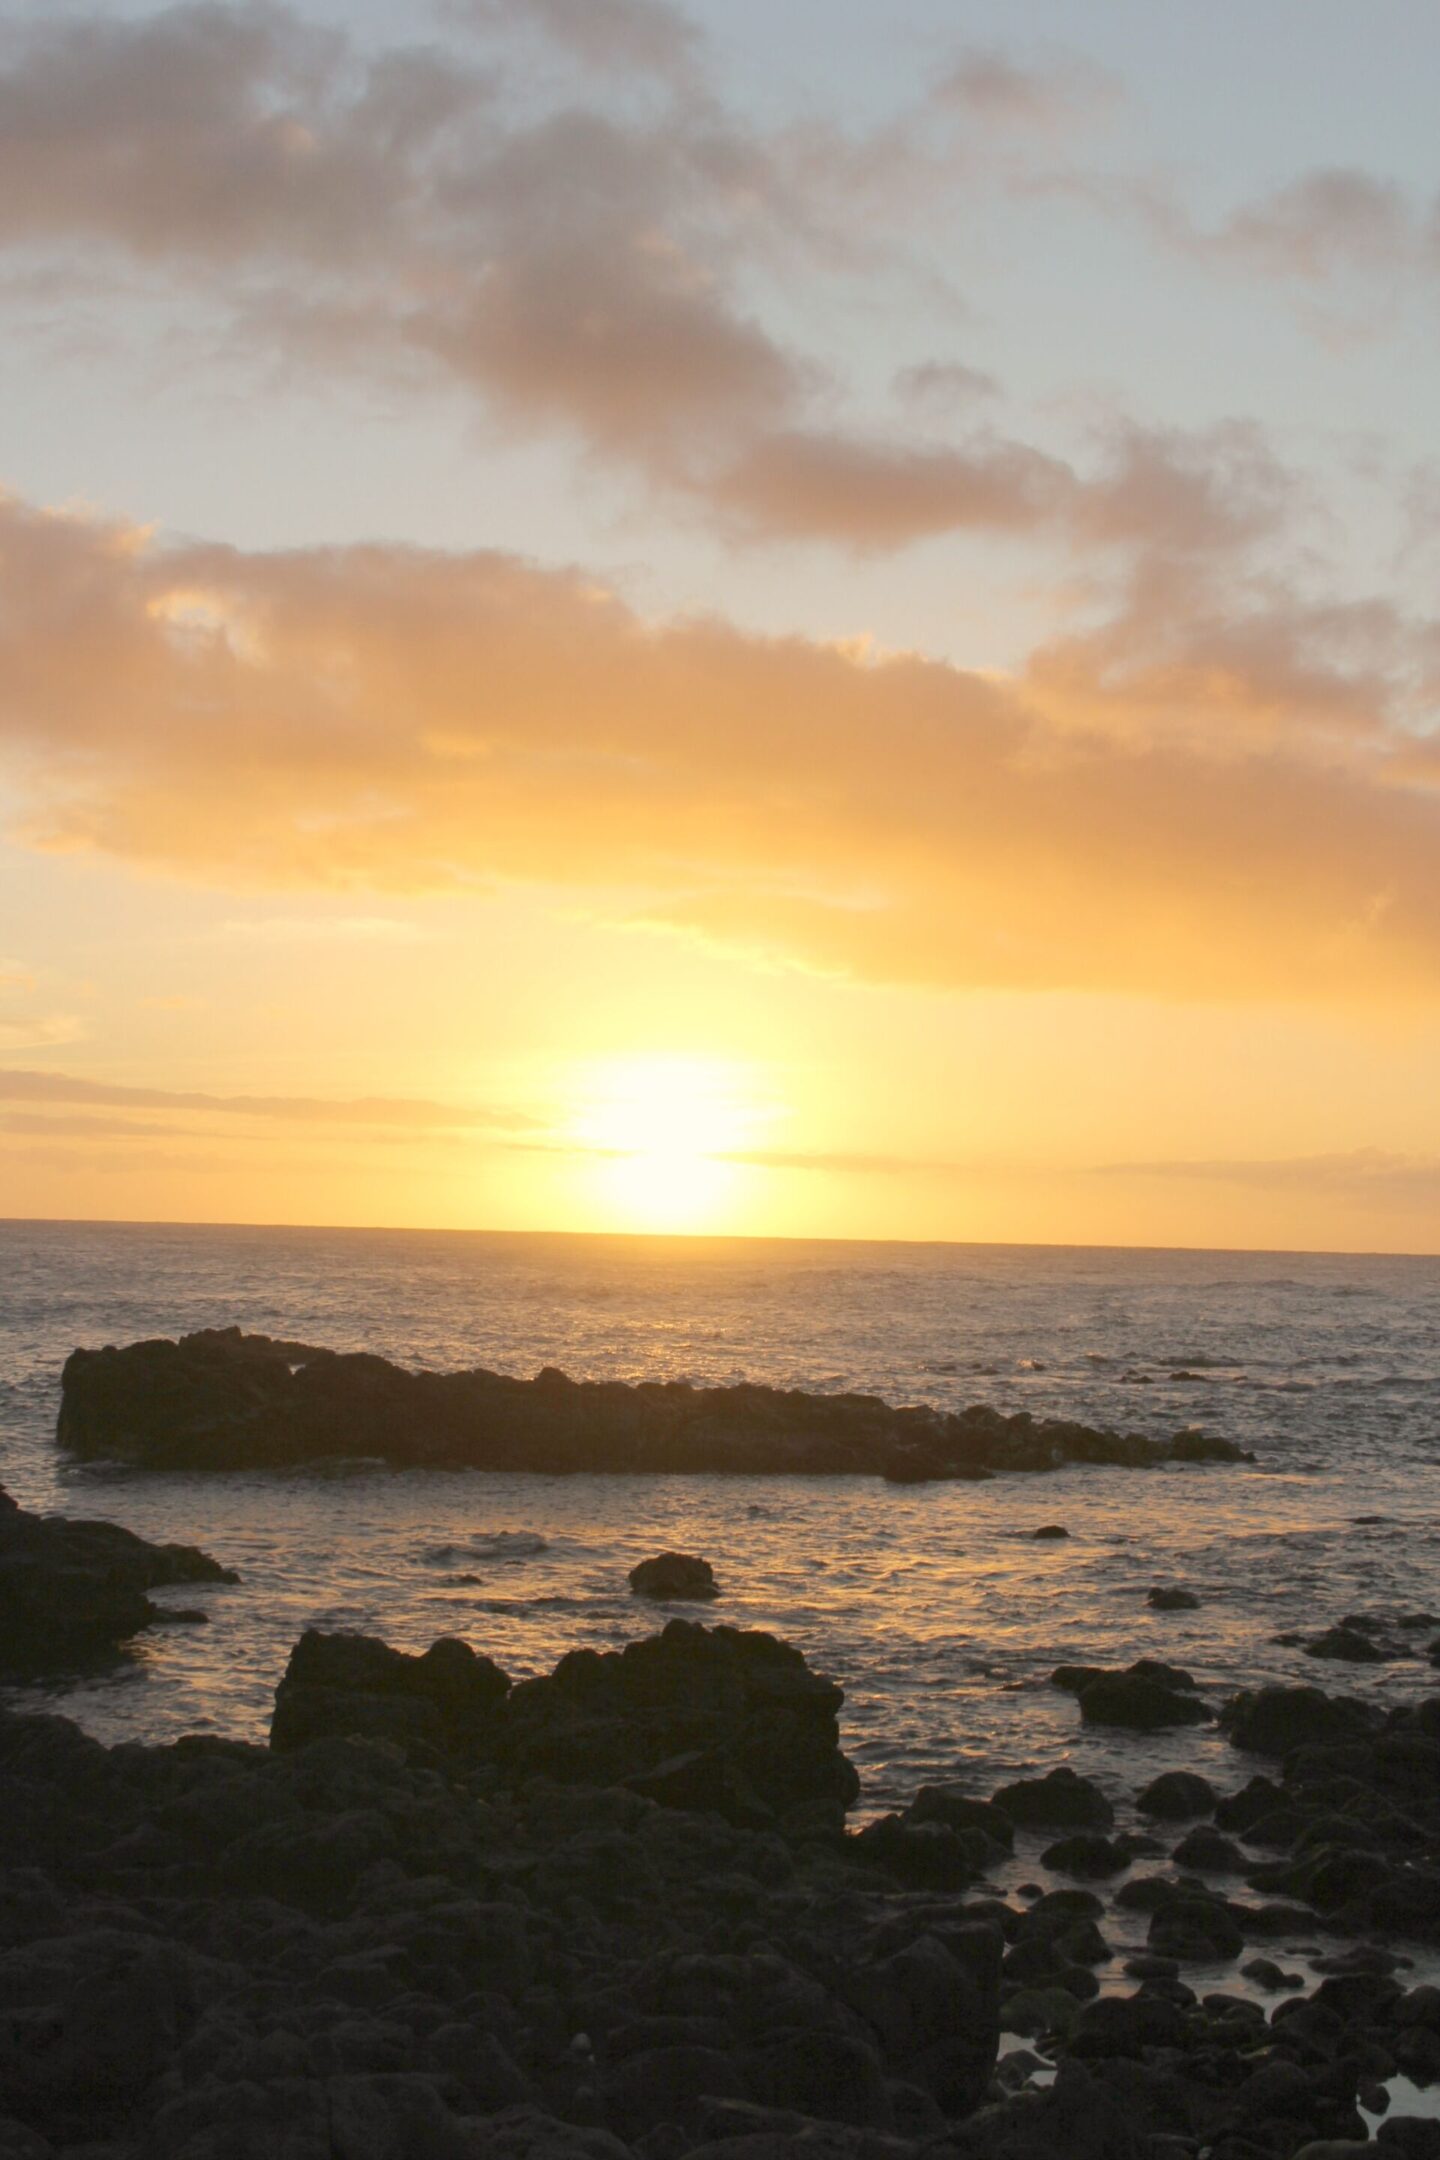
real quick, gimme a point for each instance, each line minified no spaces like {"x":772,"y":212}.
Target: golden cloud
{"x":384,"y":718}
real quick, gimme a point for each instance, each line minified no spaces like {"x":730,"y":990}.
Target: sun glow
{"x":664,"y":1135}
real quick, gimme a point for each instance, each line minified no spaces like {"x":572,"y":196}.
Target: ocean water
{"x":933,"y":1605}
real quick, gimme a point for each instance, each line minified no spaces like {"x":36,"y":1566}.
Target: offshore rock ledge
{"x":221,"y":1400}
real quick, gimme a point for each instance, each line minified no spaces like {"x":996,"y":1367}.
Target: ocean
{"x":933,"y":1606}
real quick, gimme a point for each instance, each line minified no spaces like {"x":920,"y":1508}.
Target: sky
{"x":807,"y":620}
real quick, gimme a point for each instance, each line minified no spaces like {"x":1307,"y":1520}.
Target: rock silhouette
{"x":70,"y":1588}
{"x":220,"y":1400}
{"x":674,"y":1575}
{"x":462,"y":1942}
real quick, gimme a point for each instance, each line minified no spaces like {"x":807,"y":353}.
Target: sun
{"x":663,"y":1134}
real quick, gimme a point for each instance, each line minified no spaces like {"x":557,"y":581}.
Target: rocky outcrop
{"x":1147,"y":1696}
{"x":353,"y":1686}
{"x":223,"y":1400}
{"x":430,"y":1945}
{"x":375,"y":1948}
{"x":723,"y":1721}
{"x":70,"y":1588}
{"x":674,"y":1575}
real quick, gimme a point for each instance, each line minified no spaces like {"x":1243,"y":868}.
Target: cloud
{"x":991,"y":87}
{"x":622,"y":36}
{"x":1363,"y":1174}
{"x":315,"y":930}
{"x":1329,"y":227}
{"x":404,"y":1112}
{"x":47,"y":1032}
{"x":396,"y":720}
{"x":942,"y":384}
{"x":882,"y":495}
{"x":584,"y":267}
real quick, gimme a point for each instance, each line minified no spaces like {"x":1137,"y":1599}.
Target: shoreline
{"x":681,"y":1947}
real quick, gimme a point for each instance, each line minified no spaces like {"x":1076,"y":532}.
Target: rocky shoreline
{"x":615,"y":1912}
{"x":72,"y":1589}
{"x":220,"y":1399}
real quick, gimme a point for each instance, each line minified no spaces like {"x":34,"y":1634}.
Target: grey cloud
{"x":938,"y":384}
{"x":645,"y":36}
{"x":989,"y":85}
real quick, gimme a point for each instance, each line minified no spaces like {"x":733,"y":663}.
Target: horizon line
{"x":708,"y":1237}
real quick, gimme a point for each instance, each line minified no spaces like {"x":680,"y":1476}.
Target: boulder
{"x":1177,"y":1796}
{"x":1135,"y":1704}
{"x":1163,"y":1597}
{"x":674,"y":1575}
{"x":762,"y":1725}
{"x":341,"y":1684}
{"x":71,"y":1587}
{"x":1061,"y":1800}
{"x":1273,"y":1720}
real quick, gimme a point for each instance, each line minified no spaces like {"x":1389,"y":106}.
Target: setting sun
{"x":663,"y":1134}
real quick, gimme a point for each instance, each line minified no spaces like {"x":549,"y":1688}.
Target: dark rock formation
{"x":674,"y":1575}
{"x":352,"y":1685}
{"x":1165,"y":1597}
{"x":70,"y":1588}
{"x":1147,"y":1696}
{"x":1272,"y":1720}
{"x":1060,"y":1800}
{"x":461,"y":1943}
{"x":719,"y":1721}
{"x":223,"y":1400}
{"x":352,"y":1949}
{"x":1177,"y":1796}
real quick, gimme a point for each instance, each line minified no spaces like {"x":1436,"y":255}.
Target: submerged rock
{"x":674,"y":1575}
{"x":220,"y":1399}
{"x":71,"y":1587}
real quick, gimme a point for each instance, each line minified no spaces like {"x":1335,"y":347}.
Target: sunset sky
{"x":807,"y":618}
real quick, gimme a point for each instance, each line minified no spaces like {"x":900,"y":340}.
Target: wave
{"x":488,"y":1545}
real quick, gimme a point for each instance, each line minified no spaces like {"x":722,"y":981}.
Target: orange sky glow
{"x":617,"y":620}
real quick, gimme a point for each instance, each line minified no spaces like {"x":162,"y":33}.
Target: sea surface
{"x":933,"y":1605}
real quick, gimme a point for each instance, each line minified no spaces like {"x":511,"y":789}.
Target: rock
{"x":1211,"y":1852}
{"x":220,"y":1399}
{"x":1139,"y":1705}
{"x":1194,"y":1928}
{"x":944,"y":1804}
{"x":1170,"y":1598}
{"x":1177,"y":1796}
{"x":353,"y":1684}
{"x":763,"y":1724}
{"x":1086,"y":1854}
{"x":1346,"y":1643}
{"x":1051,"y":1530}
{"x":1272,"y":1720}
{"x":1268,"y":1975}
{"x":674,"y":1575}
{"x":1060,"y":1800}
{"x":70,"y":1588}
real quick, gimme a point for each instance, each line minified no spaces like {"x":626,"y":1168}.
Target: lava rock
{"x":674,"y":1575}
{"x":70,"y":1588}
{"x":343,"y":1684}
{"x":1273,"y":1720}
{"x":1061,"y":1800}
{"x":1177,"y":1796}
{"x":220,"y":1399}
